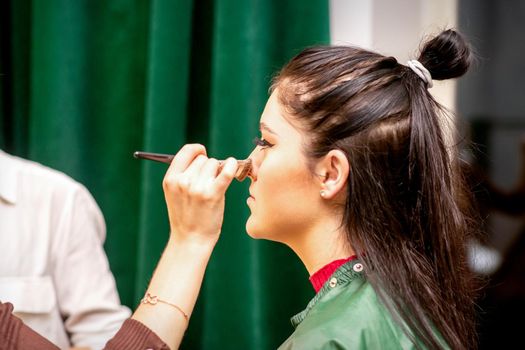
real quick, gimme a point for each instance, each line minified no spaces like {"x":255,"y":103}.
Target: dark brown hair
{"x":405,"y":213}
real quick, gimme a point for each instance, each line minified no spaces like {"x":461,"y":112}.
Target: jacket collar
{"x":344,"y":275}
{"x":8,"y":178}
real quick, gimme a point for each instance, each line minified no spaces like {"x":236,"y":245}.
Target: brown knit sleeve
{"x":133,"y":335}
{"x":14,"y":335}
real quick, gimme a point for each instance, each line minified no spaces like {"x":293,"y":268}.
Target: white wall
{"x":394,"y":27}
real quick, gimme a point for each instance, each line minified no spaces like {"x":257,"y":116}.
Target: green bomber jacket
{"x":347,"y":314}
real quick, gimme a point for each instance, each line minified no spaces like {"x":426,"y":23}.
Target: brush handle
{"x":158,"y":157}
{"x":243,"y":170}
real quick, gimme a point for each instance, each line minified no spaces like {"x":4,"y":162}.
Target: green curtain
{"x":85,"y":83}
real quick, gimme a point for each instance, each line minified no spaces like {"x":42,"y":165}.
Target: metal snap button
{"x":358,"y":267}
{"x":333,"y":282}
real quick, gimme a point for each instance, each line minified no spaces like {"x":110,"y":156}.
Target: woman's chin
{"x":252,"y":229}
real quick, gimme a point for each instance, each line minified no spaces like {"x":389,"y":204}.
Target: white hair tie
{"x":421,"y":71}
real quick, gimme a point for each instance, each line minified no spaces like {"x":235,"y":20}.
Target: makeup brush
{"x":244,"y":169}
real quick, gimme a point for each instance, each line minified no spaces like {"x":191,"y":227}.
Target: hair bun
{"x":446,"y":56}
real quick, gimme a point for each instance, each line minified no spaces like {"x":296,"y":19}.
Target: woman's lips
{"x":251,"y":198}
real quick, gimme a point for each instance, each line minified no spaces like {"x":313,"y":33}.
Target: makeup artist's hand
{"x":194,"y":191}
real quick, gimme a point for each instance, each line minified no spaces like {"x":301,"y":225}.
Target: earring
{"x":322,"y":193}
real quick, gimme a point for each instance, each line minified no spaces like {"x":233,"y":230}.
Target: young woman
{"x":352,"y":172}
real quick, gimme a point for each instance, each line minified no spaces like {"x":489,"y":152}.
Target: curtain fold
{"x":85,"y":83}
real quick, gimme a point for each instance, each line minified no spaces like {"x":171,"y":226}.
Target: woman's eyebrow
{"x":263,"y":126}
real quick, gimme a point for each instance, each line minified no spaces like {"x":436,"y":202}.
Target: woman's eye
{"x":261,"y":142}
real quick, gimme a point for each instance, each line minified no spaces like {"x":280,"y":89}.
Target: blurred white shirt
{"x":53,"y":267}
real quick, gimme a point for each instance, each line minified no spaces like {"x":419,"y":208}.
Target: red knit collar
{"x":323,"y":274}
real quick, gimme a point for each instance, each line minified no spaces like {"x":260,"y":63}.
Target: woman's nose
{"x":255,"y":164}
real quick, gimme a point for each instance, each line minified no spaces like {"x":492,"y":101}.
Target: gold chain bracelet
{"x":153,"y":300}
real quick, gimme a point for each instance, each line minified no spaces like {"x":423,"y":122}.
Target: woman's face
{"x":284,"y":196}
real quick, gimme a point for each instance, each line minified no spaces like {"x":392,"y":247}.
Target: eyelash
{"x":261,"y":142}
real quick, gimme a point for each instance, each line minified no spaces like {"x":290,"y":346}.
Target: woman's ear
{"x":334,"y":168}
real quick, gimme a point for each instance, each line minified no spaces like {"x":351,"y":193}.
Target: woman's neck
{"x":321,"y":245}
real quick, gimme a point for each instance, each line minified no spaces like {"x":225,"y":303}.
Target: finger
{"x":185,"y":157}
{"x":208,"y":173}
{"x":227,"y":174}
{"x":210,"y":169}
{"x":195,"y":167}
